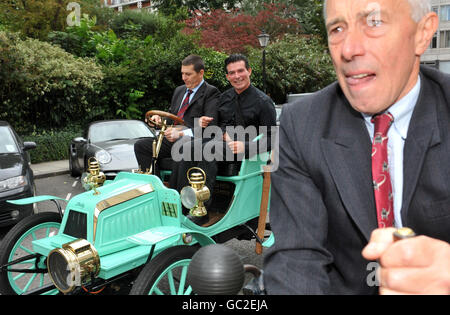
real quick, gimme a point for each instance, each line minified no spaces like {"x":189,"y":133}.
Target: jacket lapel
{"x":348,"y":155}
{"x":423,"y":133}
{"x":178,"y":98}
{"x":198,"y":95}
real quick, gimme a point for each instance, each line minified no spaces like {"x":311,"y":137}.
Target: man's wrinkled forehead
{"x":361,"y":8}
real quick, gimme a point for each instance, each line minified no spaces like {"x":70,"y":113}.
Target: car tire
{"x":32,"y":227}
{"x":74,"y":172}
{"x":160,"y":271}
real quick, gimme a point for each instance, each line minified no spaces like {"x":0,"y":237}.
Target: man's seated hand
{"x":235,"y":146}
{"x":172,"y":134}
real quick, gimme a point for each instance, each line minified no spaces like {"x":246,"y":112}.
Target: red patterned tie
{"x":185,"y":104}
{"x":380,"y":171}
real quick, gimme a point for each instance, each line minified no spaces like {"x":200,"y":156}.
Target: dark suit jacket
{"x":322,"y":208}
{"x":204,"y":103}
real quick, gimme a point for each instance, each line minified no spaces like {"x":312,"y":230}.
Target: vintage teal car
{"x":127,"y":236}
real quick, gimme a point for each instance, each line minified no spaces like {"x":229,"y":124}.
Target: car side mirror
{"x":79,"y":140}
{"x":29,"y":145}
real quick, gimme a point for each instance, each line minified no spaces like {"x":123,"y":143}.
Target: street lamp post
{"x":264,"y":41}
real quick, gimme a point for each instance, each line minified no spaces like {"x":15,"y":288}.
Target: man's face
{"x":239,"y":76}
{"x":190,"y":77}
{"x":374,"y":51}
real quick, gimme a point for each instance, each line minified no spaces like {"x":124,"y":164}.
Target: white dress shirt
{"x":189,"y":132}
{"x":402,"y":112}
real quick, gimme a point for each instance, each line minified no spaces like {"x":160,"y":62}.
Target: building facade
{"x":120,"y":5}
{"x":438,"y":54}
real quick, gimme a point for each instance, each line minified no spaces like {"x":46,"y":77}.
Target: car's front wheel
{"x":74,"y":172}
{"x":22,"y":269}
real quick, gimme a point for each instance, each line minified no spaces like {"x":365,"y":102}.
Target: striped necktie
{"x":185,"y":104}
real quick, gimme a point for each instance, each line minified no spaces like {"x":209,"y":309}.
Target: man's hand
{"x":204,"y":121}
{"x":419,"y":265}
{"x":235,"y":146}
{"x":155,"y":118}
{"x":172,"y":134}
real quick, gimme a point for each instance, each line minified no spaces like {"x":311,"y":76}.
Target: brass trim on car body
{"x":118,"y":199}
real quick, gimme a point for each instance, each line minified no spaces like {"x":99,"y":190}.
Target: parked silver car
{"x":111,"y":142}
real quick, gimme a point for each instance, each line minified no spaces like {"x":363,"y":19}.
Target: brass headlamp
{"x":194,"y":196}
{"x":73,"y":265}
{"x":95,"y":178}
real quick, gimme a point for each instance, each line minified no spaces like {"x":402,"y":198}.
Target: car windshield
{"x":7,"y":143}
{"x":117,"y":130}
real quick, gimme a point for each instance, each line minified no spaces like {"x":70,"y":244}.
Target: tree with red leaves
{"x":232,"y":32}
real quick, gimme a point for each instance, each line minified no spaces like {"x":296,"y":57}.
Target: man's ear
{"x":426,"y":29}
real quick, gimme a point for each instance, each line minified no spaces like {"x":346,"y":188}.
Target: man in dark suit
{"x":326,"y":194}
{"x":196,"y":99}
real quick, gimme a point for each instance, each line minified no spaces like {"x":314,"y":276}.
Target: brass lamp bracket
{"x":95,"y":178}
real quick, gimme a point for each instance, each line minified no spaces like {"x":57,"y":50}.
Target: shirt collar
{"x":194,"y":90}
{"x":243,"y":93}
{"x":402,"y":110}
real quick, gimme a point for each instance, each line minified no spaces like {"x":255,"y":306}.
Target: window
{"x":7,"y":143}
{"x":444,"y":39}
{"x":445,"y":13}
{"x":433,"y":43}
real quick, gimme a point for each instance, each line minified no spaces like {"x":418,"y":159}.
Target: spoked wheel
{"x":30,"y":270}
{"x":166,"y":274}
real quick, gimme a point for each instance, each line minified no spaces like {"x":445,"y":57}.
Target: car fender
{"x":166,"y":236}
{"x":26,"y":201}
{"x":36,"y":199}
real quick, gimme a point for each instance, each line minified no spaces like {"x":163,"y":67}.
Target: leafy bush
{"x":140,"y":24}
{"x":52,"y":145}
{"x":296,"y":65}
{"x":43,"y":85}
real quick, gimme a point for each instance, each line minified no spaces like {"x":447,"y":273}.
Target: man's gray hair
{"x":419,"y":8}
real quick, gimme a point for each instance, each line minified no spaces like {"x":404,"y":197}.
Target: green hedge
{"x":51,"y":145}
{"x":42,"y":85}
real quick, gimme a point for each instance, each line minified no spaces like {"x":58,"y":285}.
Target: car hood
{"x":11,"y":165}
{"x":119,"y":149}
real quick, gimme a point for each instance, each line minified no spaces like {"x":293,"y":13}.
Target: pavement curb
{"x":49,"y":174}
{"x":50,"y":169}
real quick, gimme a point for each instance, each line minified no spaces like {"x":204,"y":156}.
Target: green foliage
{"x":37,"y":18}
{"x":52,"y":145}
{"x":76,"y":40}
{"x":170,"y":7}
{"x":140,"y":24}
{"x":122,"y":65}
{"x":34,"y":18}
{"x":43,"y":84}
{"x":296,"y":65}
{"x":132,"y":112}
